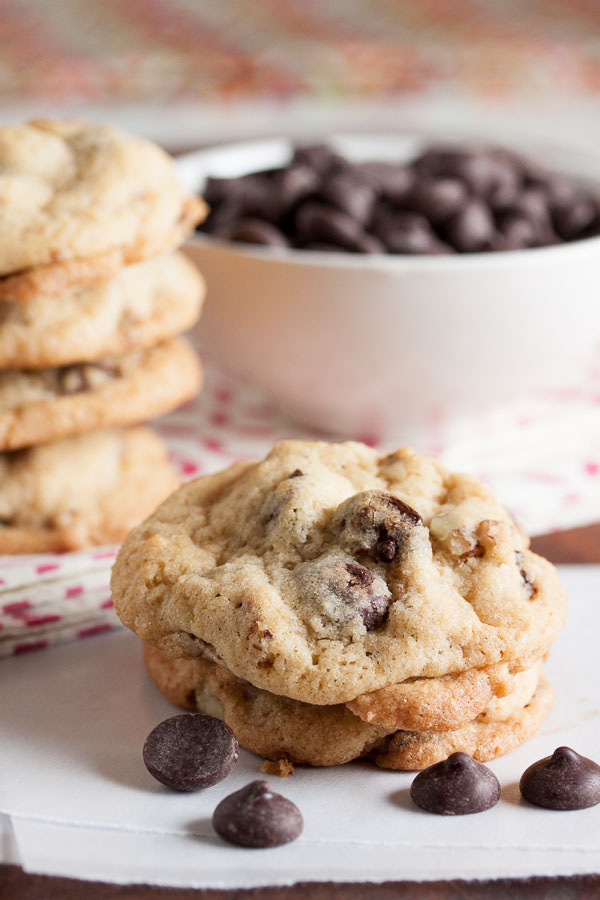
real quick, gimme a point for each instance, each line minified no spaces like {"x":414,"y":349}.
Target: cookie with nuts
{"x":330,"y":571}
{"x":41,"y":405}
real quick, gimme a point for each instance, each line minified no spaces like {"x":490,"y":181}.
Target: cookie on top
{"x":79,"y":200}
{"x":330,"y":571}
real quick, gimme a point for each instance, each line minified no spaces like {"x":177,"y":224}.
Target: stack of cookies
{"x":332,"y":602}
{"x":93,"y":296}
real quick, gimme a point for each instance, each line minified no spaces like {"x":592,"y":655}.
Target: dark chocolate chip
{"x":217,"y":190}
{"x":320,"y":222}
{"x":255,"y":231}
{"x":530,"y":588}
{"x":573,"y":220}
{"x":559,"y":189}
{"x":366,"y":243}
{"x":350,"y":196}
{"x":190,"y":752}
{"x":256,"y":816}
{"x":294,"y":185}
{"x":252,"y":195}
{"x":515,"y":232}
{"x":458,"y":786}
{"x":222,"y":218}
{"x":319,"y":157}
{"x":564,"y":780}
{"x":296,"y":473}
{"x":376,"y":523}
{"x":362,"y":590}
{"x":387,"y":179}
{"x":472,"y":229}
{"x":449,"y":199}
{"x":484,"y":172}
{"x":408,"y":232}
{"x":437,"y":198}
{"x":386,"y":549}
{"x":322,"y":247}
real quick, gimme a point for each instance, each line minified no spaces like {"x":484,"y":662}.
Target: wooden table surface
{"x":581,"y":545}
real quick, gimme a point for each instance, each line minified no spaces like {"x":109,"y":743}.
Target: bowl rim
{"x":554,"y":253}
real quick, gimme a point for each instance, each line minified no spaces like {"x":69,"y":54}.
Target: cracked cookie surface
{"x":327,"y":571}
{"x":78,"y":200}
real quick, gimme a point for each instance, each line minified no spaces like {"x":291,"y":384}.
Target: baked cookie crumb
{"x":280,"y":767}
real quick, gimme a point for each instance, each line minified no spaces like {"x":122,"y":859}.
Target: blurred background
{"x":191,"y":72}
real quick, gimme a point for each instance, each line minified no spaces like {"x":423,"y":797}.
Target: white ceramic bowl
{"x":378,"y":345}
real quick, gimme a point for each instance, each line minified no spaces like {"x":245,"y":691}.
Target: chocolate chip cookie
{"x":83,"y":490}
{"x":330,"y":571}
{"x":138,"y":307}
{"x":41,"y":405}
{"x":79,"y":200}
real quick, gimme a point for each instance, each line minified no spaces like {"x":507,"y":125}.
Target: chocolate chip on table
{"x":190,"y":752}
{"x":256,"y":816}
{"x":457,"y":786}
{"x":564,"y":780}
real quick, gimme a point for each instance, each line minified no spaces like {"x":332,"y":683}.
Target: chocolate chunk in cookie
{"x":564,"y":780}
{"x":458,"y":786}
{"x":190,"y":752}
{"x":256,"y":816}
{"x":343,"y":594}
{"x":369,"y":596}
{"x":376,"y":523}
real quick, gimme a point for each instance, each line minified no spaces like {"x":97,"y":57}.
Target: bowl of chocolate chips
{"x":373,"y":282}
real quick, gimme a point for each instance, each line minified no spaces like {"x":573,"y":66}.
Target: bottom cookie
{"x":481,"y":740}
{"x":277,"y":727}
{"x":81,"y":491}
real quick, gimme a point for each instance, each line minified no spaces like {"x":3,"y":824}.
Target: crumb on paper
{"x":281,"y":767}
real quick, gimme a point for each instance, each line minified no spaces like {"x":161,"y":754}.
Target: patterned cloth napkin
{"x":540,"y":454}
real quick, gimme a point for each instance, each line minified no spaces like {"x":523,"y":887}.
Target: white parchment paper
{"x":80,"y":802}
